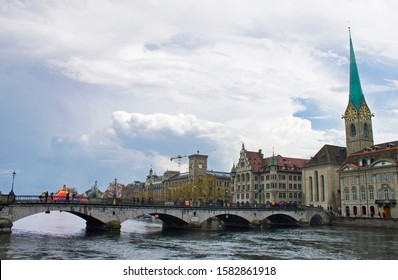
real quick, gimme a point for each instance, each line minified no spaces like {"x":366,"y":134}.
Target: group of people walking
{"x":50,"y":197}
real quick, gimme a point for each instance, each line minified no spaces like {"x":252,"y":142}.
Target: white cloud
{"x":144,"y":126}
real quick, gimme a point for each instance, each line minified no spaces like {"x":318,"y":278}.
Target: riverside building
{"x":257,"y":180}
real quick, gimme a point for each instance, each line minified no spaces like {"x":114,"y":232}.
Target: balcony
{"x":386,"y":201}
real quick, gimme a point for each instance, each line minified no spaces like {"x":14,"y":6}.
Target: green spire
{"x":356,"y":94}
{"x":273,"y":160}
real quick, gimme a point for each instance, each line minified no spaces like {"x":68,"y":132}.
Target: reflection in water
{"x":63,"y":236}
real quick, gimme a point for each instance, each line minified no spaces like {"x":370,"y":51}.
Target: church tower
{"x":358,"y":118}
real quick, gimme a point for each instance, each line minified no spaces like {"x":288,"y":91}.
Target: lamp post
{"x":114,"y":192}
{"x":194,"y":195}
{"x":12,"y":185}
{"x":226,"y":198}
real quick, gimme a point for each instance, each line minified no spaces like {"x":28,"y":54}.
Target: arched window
{"x":323,"y":187}
{"x":353,"y":130}
{"x":365,"y":130}
{"x":311,"y":190}
{"x":363,"y":210}
{"x":316,"y":186}
{"x":372,"y":211}
{"x":355,"y":210}
{"x":347,"y":211}
{"x":247,"y":177}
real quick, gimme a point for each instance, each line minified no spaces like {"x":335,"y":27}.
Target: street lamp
{"x":226,"y":198}
{"x":114,"y":192}
{"x":12,"y":185}
{"x":194,"y":195}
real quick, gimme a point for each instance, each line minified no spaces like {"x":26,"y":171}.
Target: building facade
{"x":368,"y":181}
{"x":320,"y":178}
{"x":257,"y":180}
{"x":198,"y":184}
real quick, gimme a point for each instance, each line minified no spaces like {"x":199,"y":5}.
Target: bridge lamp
{"x":194,"y":195}
{"x":12,"y":185}
{"x":114,"y":189}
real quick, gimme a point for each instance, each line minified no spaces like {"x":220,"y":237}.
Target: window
{"x":386,"y":194}
{"x":323,"y":187}
{"x":371,"y":193}
{"x":363,"y":194}
{"x":311,"y":190}
{"x":363,"y":211}
{"x":353,"y":130}
{"x":355,"y":210}
{"x":354,"y":194}
{"x":347,"y":195}
{"x":365,"y":130}
{"x":370,"y":179}
{"x":316,"y":186}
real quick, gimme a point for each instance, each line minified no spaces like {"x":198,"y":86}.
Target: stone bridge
{"x":110,"y":217}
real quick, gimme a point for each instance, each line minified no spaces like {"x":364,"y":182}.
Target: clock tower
{"x":197,"y":166}
{"x":357,"y":116}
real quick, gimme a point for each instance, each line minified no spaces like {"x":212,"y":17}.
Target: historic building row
{"x":360,"y":179}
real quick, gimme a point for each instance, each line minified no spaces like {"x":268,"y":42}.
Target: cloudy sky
{"x":97,"y":90}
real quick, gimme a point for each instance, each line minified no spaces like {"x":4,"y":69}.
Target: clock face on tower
{"x":351,"y":114}
{"x":365,"y":114}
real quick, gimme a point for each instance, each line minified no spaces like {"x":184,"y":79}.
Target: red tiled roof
{"x":256,"y":160}
{"x":287,"y":162}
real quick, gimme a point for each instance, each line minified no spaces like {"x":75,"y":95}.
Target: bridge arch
{"x":316,"y":220}
{"x":281,"y":219}
{"x":169,"y":220}
{"x":232,"y":220}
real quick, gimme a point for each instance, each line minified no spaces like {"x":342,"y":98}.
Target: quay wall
{"x":365,"y":222}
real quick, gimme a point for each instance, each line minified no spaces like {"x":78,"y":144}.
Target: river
{"x":62,"y":236}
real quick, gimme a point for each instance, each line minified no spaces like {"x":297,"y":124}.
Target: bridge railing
{"x":29,"y":199}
